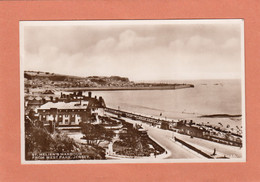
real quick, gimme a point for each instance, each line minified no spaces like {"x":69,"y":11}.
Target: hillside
{"x":37,"y":79}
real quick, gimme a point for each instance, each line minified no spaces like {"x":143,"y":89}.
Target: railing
{"x":132,"y":116}
{"x":193,"y":148}
{"x":151,"y":120}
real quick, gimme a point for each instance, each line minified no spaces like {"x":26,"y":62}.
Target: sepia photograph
{"x":132,"y":91}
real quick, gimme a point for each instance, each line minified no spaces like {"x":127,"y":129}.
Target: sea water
{"x":207,"y":97}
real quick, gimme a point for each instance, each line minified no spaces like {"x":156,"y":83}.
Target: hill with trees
{"x":38,"y":79}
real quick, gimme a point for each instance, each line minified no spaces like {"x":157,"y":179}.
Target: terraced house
{"x":64,"y":113}
{"x":71,"y":113}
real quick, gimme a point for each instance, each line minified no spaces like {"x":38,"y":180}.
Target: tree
{"x":103,"y":134}
{"x":131,"y":138}
{"x":39,"y":140}
{"x":94,"y":134}
{"x":31,"y":115}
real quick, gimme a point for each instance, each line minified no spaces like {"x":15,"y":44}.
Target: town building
{"x":32,"y":103}
{"x":64,"y":113}
{"x":71,"y":111}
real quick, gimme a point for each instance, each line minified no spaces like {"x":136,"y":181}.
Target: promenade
{"x":165,"y":139}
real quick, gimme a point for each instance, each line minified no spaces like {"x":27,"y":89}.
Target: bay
{"x":207,"y":97}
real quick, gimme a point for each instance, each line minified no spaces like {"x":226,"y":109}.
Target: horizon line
{"x":137,"y":80}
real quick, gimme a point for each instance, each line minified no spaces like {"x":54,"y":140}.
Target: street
{"x":165,"y":139}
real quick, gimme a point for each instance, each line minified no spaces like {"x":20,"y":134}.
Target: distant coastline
{"x":46,"y":80}
{"x":128,"y":88}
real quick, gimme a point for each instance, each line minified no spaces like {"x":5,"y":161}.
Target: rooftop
{"x":65,"y":105}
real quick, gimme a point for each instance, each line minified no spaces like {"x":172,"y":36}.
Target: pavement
{"x":209,"y":146}
{"x":175,"y":150}
{"x":164,"y":139}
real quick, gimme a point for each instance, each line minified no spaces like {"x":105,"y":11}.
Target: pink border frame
{"x":12,"y":12}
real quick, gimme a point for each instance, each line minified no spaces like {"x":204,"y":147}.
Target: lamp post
{"x":118,"y":112}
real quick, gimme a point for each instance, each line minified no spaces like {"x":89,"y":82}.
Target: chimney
{"x":80,"y":93}
{"x":100,"y":99}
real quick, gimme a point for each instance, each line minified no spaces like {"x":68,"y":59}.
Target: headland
{"x":45,"y":80}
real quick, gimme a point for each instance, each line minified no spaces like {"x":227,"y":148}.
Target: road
{"x":209,"y":146}
{"x":165,"y":139}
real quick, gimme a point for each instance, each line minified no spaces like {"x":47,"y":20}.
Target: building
{"x":32,"y":103}
{"x":66,"y":110}
{"x":64,"y":113}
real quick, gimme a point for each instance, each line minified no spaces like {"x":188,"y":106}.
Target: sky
{"x":139,"y":50}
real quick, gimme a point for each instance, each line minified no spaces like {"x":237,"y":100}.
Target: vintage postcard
{"x":132,"y":91}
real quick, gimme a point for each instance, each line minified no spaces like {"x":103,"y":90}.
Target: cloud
{"x":129,"y":40}
{"x":194,"y":44}
{"x":199,"y":43}
{"x":176,"y":44}
{"x":231,"y":44}
{"x":105,"y":45}
{"x":143,"y":52}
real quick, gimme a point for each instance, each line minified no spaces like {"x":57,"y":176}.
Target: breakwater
{"x":173,"y":87}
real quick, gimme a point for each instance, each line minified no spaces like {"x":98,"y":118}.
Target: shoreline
{"x":126,"y":88}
